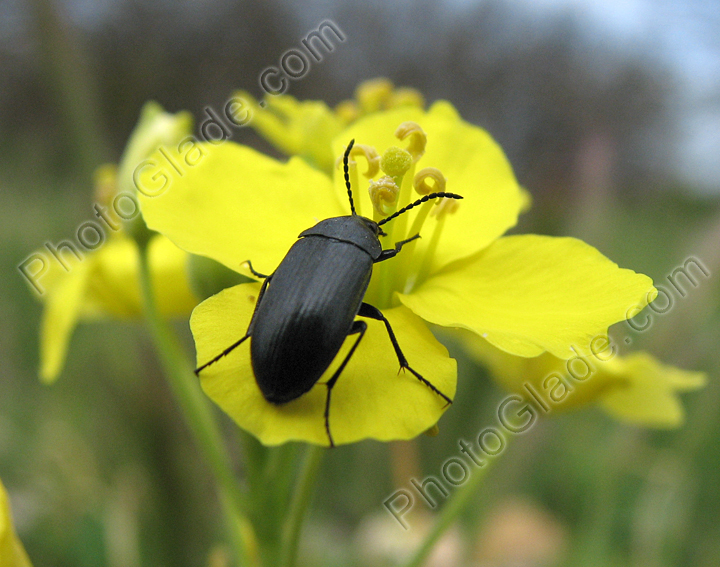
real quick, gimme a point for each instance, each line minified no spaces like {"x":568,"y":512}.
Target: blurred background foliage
{"x":100,"y":467}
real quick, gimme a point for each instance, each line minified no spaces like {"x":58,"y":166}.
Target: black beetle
{"x":307,"y":306}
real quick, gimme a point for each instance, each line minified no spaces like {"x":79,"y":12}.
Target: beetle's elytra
{"x":307,"y":306}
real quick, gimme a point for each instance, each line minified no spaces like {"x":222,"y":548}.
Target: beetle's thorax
{"x":353,"y":229}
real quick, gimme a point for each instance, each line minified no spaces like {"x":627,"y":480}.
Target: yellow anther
{"x":405,"y":96}
{"x":418,"y":138}
{"x":384,"y":194}
{"x":347,"y":111}
{"x":396,"y":161}
{"x":420,"y":182}
{"x":445,"y":207}
{"x":373,"y":95}
{"x":371,"y":156}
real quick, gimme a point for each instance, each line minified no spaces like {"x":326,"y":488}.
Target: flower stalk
{"x":455,"y":506}
{"x":299,"y":504}
{"x":199,"y":418}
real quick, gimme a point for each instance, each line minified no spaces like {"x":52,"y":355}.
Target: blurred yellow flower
{"x":526,"y":294}
{"x":12,"y":552}
{"x":635,"y":387}
{"x":294,"y":127}
{"x":306,"y":128}
{"x":104,"y":282}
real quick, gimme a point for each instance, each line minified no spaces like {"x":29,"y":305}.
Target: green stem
{"x":186,"y":388}
{"x":457,"y":503}
{"x":299,"y":504}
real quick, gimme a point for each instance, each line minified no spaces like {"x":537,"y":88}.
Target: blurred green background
{"x":605,"y":120}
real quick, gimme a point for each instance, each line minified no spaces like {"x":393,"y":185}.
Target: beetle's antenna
{"x":347,"y":176}
{"x":420,"y":201}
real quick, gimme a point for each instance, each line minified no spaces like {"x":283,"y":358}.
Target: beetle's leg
{"x":371,"y":312}
{"x":254,"y":273}
{"x":392,"y":252}
{"x":227,"y":351}
{"x":357,"y":327}
{"x":233,"y":346}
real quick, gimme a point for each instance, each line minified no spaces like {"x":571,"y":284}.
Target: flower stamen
{"x":406,"y":96}
{"x":445,"y":207}
{"x":373,"y":167}
{"x":426,"y":263}
{"x":384,"y":195}
{"x":347,"y":111}
{"x":369,"y":153}
{"x":372,"y":95}
{"x":420,"y":182}
{"x":405,"y":276}
{"x":395,"y":161}
{"x":418,"y":138}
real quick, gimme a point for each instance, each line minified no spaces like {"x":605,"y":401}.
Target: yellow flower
{"x":155,"y":129}
{"x":105,"y":284}
{"x":635,"y":387}
{"x":526,"y":294}
{"x":80,"y":285}
{"x":306,"y":128}
{"x":12,"y":552}
{"x":296,"y":128}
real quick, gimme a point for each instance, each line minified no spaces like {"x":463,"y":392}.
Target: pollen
{"x":371,"y":157}
{"x":395,"y":161}
{"x":384,"y":195}
{"x":418,"y":138}
{"x":420,"y":182}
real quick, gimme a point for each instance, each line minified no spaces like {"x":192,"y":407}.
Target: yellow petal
{"x":105,"y":284}
{"x":561,"y":384}
{"x":471,"y":161}
{"x":236,"y":204}
{"x":170,"y":279}
{"x":12,"y":552}
{"x":114,"y":288}
{"x":370,"y":399}
{"x":648,"y":393}
{"x":155,"y":128}
{"x":636,"y":388}
{"x":530,"y":294}
{"x":63,"y":304}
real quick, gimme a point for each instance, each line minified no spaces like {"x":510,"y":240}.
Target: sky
{"x":686,"y":34}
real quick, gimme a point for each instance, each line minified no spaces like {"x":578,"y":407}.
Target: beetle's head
{"x":372,"y":225}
